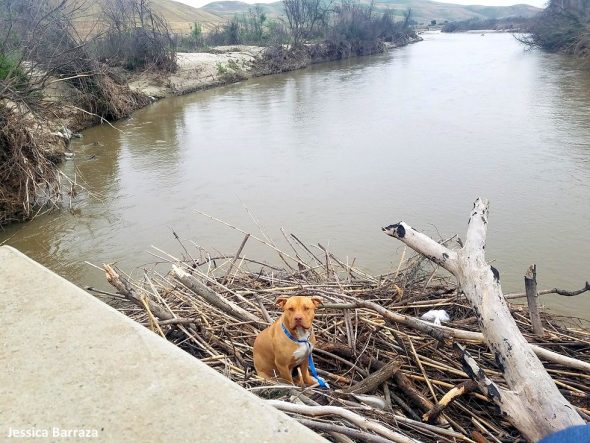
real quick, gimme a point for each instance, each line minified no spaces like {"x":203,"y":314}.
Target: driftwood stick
{"x":530,"y":284}
{"x":177,"y":321}
{"x":265,"y":313}
{"x":374,"y":380}
{"x":408,"y":388}
{"x":124,"y":288}
{"x":358,"y":420}
{"x":432,"y":428}
{"x":202,"y":290}
{"x":533,"y":404}
{"x":478,"y":437}
{"x":101,"y":292}
{"x":558,"y":291}
{"x":462,"y":389}
{"x":350,"y":432}
{"x":233,"y":262}
{"x":402,"y":404}
{"x":487,"y":386}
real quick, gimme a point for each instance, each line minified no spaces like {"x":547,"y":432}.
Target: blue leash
{"x":314,"y":372}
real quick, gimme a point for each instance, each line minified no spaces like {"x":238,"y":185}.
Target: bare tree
{"x":135,"y":36}
{"x":38,"y":43}
{"x":303,"y":17}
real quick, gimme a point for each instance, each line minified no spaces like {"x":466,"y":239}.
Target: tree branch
{"x":551,"y":291}
{"x":361,"y":422}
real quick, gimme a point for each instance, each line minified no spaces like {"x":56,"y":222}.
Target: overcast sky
{"x":538,"y":3}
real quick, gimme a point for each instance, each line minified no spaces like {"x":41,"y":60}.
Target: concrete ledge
{"x":70,"y":362}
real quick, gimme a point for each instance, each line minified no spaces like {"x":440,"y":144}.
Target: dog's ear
{"x":316,"y":301}
{"x":281,"y":302}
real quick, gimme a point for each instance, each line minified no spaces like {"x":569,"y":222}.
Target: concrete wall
{"x":69,"y":362}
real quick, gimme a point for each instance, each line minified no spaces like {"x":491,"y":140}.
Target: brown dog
{"x":278,"y":353}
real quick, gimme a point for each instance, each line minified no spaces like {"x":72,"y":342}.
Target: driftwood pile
{"x":392,"y":376}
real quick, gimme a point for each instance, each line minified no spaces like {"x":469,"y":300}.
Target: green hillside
{"x":422,"y":10}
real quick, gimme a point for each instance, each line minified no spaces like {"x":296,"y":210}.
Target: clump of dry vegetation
{"x":393,"y":377}
{"x":41,"y":48}
{"x":314,"y":31}
{"x":562,"y":26}
{"x":27,"y":164}
{"x":135,"y":37}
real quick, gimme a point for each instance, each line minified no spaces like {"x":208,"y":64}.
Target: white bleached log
{"x":533,"y":404}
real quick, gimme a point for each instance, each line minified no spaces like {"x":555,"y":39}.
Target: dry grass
{"x":214,"y":306}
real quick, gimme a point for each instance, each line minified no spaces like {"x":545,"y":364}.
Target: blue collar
{"x":290,"y":336}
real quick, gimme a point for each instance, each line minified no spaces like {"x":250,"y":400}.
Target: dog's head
{"x":298,"y":311}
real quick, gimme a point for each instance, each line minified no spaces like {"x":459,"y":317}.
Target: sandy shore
{"x":202,"y":70}
{"x":199,"y":70}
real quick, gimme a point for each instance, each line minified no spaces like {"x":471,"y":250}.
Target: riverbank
{"x":231,"y":64}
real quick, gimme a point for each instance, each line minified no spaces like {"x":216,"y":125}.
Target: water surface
{"x":336,"y":151}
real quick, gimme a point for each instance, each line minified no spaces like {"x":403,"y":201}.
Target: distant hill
{"x":179,"y":16}
{"x":229,"y":8}
{"x":423,"y":11}
{"x":426,"y":10}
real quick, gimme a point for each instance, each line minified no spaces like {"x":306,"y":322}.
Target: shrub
{"x":11,"y":71}
{"x":251,"y":28}
{"x":357,"y":30}
{"x":135,"y":37}
{"x":562,"y":26}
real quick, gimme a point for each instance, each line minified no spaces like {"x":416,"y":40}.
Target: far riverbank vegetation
{"x":311,"y":31}
{"x":564,"y":26}
{"x":509,"y":24}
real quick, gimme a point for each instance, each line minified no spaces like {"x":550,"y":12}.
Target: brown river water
{"x":334,"y":152}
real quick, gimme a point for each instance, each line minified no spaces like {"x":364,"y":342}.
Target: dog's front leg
{"x":284,"y":371}
{"x":307,"y":378}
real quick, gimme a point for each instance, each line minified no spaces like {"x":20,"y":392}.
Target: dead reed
{"x":393,"y":377}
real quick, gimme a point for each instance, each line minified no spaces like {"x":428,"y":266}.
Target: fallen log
{"x":124,"y":288}
{"x":201,"y":289}
{"x":533,"y":404}
{"x":374,"y":380}
{"x":354,"y":433}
